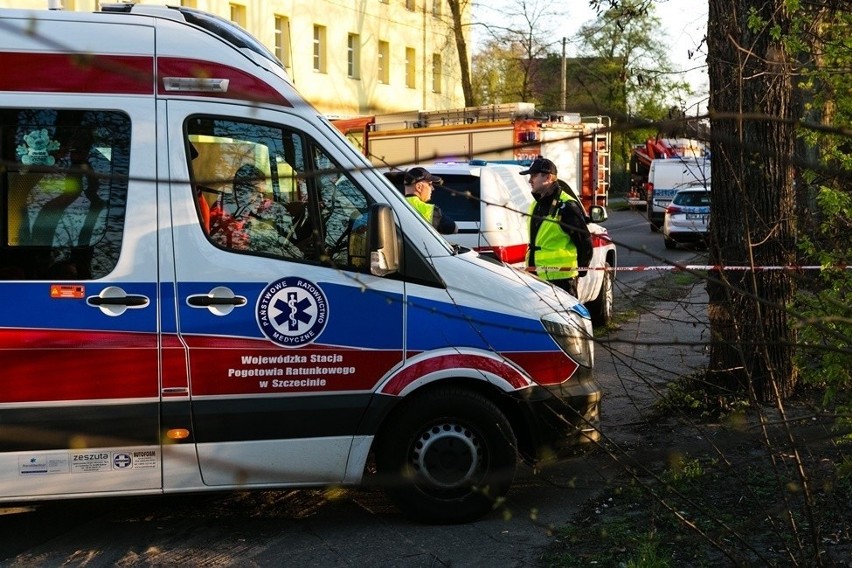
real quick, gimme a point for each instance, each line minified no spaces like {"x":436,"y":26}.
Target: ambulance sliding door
{"x":78,"y":330}
{"x":287,"y":332}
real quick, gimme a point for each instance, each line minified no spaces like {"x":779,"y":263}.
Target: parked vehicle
{"x":490,"y":204}
{"x":658,"y":149}
{"x":142,"y":355}
{"x":487,"y":202}
{"x":687,"y":217}
{"x":667,"y":177}
{"x":597,"y":288}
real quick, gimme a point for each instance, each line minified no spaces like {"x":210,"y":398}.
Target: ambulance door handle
{"x":129,"y":301}
{"x":220,"y":301}
{"x":204,"y":301}
{"x":113,"y":301}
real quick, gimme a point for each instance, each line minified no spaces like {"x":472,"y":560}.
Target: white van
{"x":667,"y":176}
{"x":490,"y":203}
{"x":169,"y":329}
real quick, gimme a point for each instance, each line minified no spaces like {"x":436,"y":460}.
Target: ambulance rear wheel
{"x":448,"y":456}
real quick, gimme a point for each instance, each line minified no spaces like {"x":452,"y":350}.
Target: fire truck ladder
{"x":470,"y":115}
{"x":602,"y":142}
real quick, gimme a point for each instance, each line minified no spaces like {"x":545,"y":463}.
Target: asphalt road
{"x":638,"y":246}
{"x":335,"y":527}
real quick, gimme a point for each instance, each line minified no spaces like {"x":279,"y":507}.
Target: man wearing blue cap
{"x":560,"y":241}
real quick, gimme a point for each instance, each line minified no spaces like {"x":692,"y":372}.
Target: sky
{"x":684,"y":25}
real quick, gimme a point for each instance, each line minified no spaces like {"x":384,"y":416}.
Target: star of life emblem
{"x":292,"y":312}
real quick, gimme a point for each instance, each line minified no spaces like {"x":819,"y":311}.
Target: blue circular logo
{"x":292,"y":312}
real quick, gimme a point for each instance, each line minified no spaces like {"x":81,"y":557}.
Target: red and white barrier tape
{"x":679,"y":267}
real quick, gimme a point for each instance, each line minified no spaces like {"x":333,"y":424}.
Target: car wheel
{"x":670,"y":243}
{"x":448,"y":456}
{"x":601,"y":307}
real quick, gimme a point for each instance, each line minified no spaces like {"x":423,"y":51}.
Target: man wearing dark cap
{"x":560,"y":241}
{"x":419,"y":184}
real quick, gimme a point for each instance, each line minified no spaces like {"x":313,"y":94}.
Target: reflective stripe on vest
{"x":554,"y":248}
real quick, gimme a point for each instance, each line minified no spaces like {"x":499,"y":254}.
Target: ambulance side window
{"x":343,"y":214}
{"x":271,"y":191}
{"x":64,"y":192}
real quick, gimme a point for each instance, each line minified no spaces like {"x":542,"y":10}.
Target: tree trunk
{"x":752,"y":221}
{"x":456,"y":8}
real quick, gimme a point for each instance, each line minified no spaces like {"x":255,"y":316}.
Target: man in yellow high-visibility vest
{"x":560,"y":241}
{"x":419,"y":184}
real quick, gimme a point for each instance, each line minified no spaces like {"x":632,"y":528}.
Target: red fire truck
{"x":579,"y":146}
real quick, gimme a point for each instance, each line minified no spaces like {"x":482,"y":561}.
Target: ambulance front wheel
{"x":448,"y":456}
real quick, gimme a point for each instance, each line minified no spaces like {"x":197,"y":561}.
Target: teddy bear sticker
{"x":37,"y":150}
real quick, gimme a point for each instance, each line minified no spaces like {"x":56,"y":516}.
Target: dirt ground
{"x":752,"y":486}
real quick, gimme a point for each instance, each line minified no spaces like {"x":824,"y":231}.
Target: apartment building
{"x":348,"y":58}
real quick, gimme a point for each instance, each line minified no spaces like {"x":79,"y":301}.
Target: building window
{"x":282,"y":39}
{"x":410,"y":68}
{"x":384,"y":62}
{"x":410,"y":5}
{"x":319,"y":49}
{"x":238,"y":15}
{"x":436,"y":73}
{"x":353,"y":56}
{"x":437,"y":8}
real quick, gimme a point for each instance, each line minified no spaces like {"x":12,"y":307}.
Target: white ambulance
{"x":208,"y":288}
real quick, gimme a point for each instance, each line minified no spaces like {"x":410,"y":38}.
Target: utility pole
{"x":564,"y":78}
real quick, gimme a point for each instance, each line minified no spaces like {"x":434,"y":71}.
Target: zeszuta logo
{"x":292,"y":312}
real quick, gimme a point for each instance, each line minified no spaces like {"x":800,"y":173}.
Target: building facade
{"x":347,"y":58}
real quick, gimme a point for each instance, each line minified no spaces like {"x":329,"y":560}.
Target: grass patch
{"x":737,"y":499}
{"x":619,"y":317}
{"x":672,"y":285}
{"x":698,"y":515}
{"x":691,"y":396}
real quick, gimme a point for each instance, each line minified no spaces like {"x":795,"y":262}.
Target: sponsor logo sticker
{"x":292,"y":312}
{"x":43,"y":464}
{"x":87,"y":462}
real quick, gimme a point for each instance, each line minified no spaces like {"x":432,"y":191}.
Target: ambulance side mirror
{"x":384,"y":240}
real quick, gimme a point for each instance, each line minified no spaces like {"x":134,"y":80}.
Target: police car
{"x":687,"y":218}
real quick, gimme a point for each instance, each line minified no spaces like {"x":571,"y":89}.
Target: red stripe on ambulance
{"x":77,"y":73}
{"x":126,"y":75}
{"x":241,"y":85}
{"x":229,"y":366}
{"x":546,"y":369}
{"x":31,"y":373}
{"x":459,"y":361}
